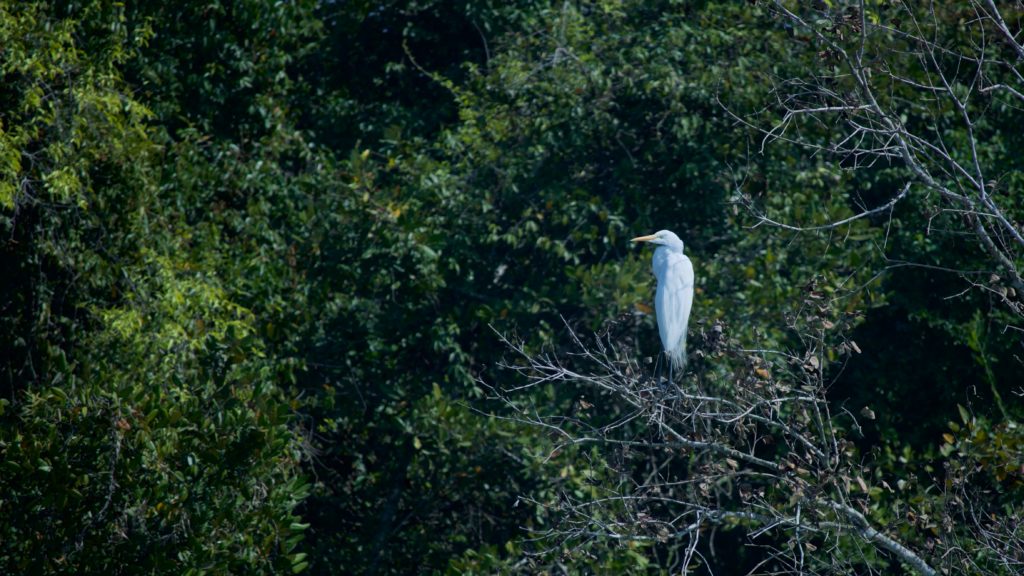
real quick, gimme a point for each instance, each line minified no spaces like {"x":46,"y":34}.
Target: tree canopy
{"x":282,"y":278}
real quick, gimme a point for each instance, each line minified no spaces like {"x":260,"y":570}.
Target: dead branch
{"x":912,"y":92}
{"x":752,"y":449}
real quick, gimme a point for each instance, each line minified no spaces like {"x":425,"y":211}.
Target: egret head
{"x":663,"y":238}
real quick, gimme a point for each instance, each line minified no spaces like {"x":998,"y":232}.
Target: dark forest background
{"x":258,"y":256}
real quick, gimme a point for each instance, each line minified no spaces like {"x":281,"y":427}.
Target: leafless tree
{"x":919,"y":86}
{"x":1000,"y":535}
{"x":753,"y":448}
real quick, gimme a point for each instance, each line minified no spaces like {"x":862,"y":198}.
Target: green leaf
{"x":965,"y":416}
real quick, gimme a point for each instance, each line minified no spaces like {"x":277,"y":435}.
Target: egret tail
{"x":677,"y":355}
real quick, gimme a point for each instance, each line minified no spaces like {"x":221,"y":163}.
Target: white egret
{"x":674,"y":297}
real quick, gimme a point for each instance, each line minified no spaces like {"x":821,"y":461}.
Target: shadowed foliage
{"x":264,"y":262}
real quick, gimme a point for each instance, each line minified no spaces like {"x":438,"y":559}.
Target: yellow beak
{"x":643,"y":238}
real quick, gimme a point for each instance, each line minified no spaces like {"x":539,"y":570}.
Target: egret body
{"x":674,"y":297}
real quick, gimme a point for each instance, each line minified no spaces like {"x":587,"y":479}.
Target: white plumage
{"x":674,"y":298}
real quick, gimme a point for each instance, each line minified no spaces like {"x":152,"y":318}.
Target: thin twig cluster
{"x":754,"y":449}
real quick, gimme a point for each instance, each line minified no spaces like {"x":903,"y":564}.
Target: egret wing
{"x":672,"y":304}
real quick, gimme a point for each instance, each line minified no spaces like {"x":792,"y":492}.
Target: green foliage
{"x":259,"y":254}
{"x":146,"y":424}
{"x":64,"y":112}
{"x":170,"y":422}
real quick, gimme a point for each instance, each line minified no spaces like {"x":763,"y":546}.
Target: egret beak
{"x":643,"y":238}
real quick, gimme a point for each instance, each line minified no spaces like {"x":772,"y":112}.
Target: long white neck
{"x":660,"y":260}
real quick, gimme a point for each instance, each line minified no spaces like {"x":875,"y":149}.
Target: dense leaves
{"x":260,"y":257}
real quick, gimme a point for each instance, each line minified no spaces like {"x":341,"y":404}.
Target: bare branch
{"x":910,"y":121}
{"x":754,"y":449}
{"x":762,"y":219}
